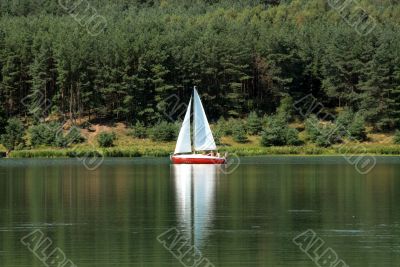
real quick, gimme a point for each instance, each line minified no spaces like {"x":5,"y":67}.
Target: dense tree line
{"x":244,"y":56}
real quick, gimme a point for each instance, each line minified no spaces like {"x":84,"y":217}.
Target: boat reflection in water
{"x":195,"y":199}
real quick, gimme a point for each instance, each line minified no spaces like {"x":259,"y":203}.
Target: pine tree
{"x":11,"y":82}
{"x":239,"y":133}
{"x":341,"y":67}
{"x":379,"y":87}
{"x":3,"y":120}
{"x":254,"y":124}
{"x":243,"y":56}
{"x":286,"y":109}
{"x":357,"y":129}
{"x":41,"y":71}
{"x":13,"y":134}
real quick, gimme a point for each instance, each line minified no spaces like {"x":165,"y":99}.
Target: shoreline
{"x":241,"y":151}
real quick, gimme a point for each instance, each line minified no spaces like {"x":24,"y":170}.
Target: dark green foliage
{"x":224,"y":127}
{"x":243,"y":56}
{"x":312,"y":127}
{"x":47,"y":134}
{"x":396,"y":138}
{"x":322,"y":134}
{"x":13,"y":134}
{"x":106,"y":139}
{"x":52,"y":134}
{"x":278,"y":133}
{"x":74,"y":136}
{"x":139,"y":131}
{"x":357,"y":128}
{"x":345,"y":118}
{"x":286,"y":109}
{"x":270,"y":137}
{"x":254,"y":124}
{"x":217,"y":136}
{"x":292,"y":137}
{"x":3,"y":120}
{"x":239,"y":133}
{"x":351,"y":125}
{"x":164,"y":131}
{"x":274,"y":133}
{"x":218,"y":132}
{"x":327,"y":136}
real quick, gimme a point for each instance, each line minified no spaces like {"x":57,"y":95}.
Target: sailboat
{"x":203,"y":139}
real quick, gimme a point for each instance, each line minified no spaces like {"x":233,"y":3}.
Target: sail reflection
{"x":195,"y":194}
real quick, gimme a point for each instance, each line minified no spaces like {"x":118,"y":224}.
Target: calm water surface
{"x":113,"y":215}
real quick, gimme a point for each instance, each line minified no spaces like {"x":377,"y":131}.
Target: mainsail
{"x":203,"y":138}
{"x":184,"y":143}
{"x":202,"y":135}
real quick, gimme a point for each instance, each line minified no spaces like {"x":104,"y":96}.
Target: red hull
{"x":197,"y":160}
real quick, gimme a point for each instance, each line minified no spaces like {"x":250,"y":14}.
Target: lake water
{"x":126,"y":212}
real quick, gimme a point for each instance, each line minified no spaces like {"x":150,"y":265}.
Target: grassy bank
{"x":79,"y":153}
{"x":241,"y":150}
{"x":127,"y":146}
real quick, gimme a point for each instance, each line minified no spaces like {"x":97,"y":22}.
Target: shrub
{"x":357,"y":128}
{"x":13,"y":134}
{"x":265,"y":120}
{"x":312,"y":125}
{"x":345,"y":118}
{"x":49,"y":134}
{"x":106,"y":139}
{"x":292,"y":137}
{"x":285,"y":109}
{"x":271,"y":137}
{"x":396,"y":138}
{"x":60,"y":141}
{"x":139,"y":131}
{"x":74,"y":136}
{"x":274,"y":133}
{"x":217,"y":133}
{"x":239,"y":133}
{"x":278,"y":133}
{"x":324,"y":135}
{"x":223,"y":127}
{"x":164,"y":132}
{"x":254,"y":124}
{"x":352,"y":124}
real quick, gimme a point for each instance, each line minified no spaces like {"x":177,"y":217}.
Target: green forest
{"x":244,"y":57}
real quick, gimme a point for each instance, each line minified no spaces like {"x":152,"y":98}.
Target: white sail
{"x":203,"y":138}
{"x":184,"y":143}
